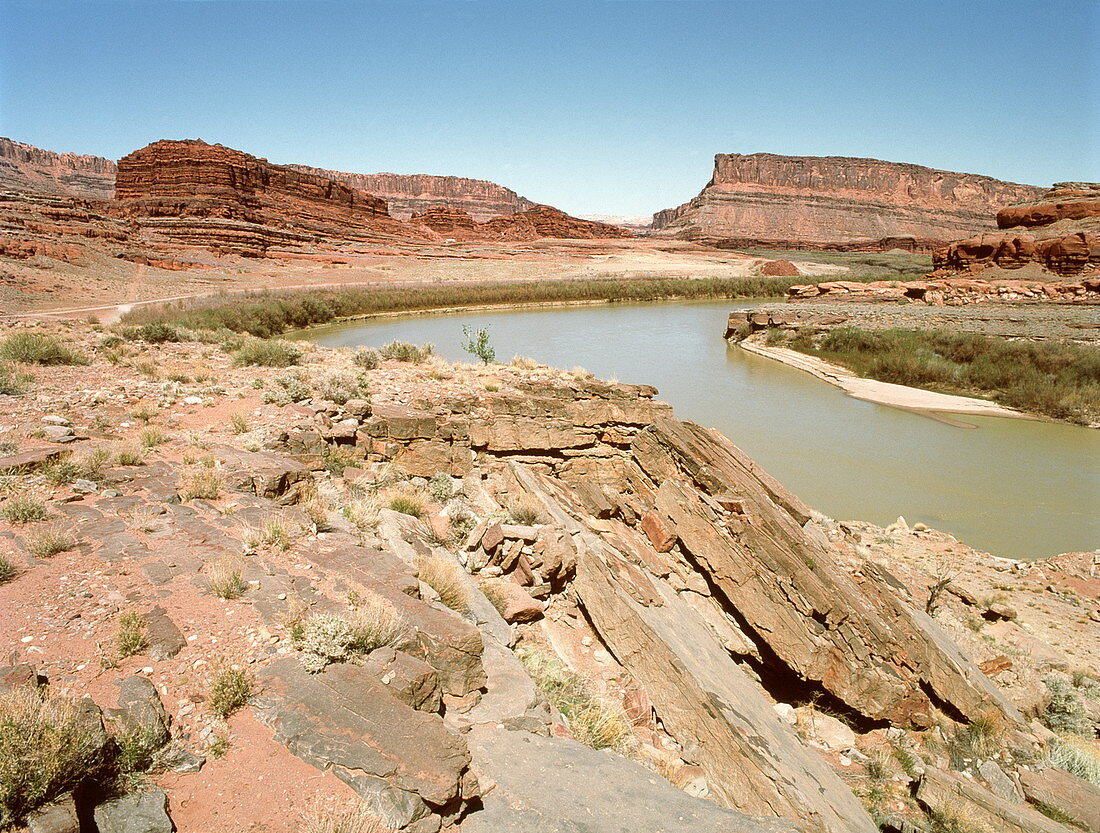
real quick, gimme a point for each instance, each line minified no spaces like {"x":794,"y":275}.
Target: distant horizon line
{"x":604,"y":213}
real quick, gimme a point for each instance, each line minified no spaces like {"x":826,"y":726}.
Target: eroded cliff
{"x":1059,"y":231}
{"x":834,"y":201}
{"x":25,"y":167}
{"x":409,"y":194}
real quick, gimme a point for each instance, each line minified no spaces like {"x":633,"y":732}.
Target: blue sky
{"x":597,"y":107}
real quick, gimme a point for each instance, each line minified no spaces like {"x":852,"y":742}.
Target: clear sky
{"x":596,"y":107}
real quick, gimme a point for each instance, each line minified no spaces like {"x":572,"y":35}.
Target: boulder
{"x":515,"y":603}
{"x":554,"y":785}
{"x":955,"y":796}
{"x":405,"y":763}
{"x":143,"y":812}
{"x":57,"y":817}
{"x":140,"y":711}
{"x":1076,"y":797}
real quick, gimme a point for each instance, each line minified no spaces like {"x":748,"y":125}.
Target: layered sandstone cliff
{"x":27,"y":168}
{"x":832,"y":201}
{"x":206,"y":194}
{"x":1059,"y":231}
{"x":409,"y":194}
{"x":536,"y":223}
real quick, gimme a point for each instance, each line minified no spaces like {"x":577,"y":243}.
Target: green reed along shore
{"x":271,"y":313}
{"x":1054,"y":379}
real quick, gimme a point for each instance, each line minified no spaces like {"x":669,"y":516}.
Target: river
{"x":1015,"y":488}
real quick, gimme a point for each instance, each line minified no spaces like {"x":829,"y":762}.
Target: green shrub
{"x":8,"y":571}
{"x":441,"y":487}
{"x":36,"y":348}
{"x":367,"y":359}
{"x":477,"y":344}
{"x":24,"y":509}
{"x":342,"y":385}
{"x":1078,"y":756}
{"x":129,"y":456}
{"x":294,"y":389}
{"x":325,"y":638}
{"x":1065,"y":712}
{"x":155,"y":333}
{"x":47,"y":747}
{"x":261,"y":353}
{"x":137,"y":748}
{"x":132,"y":637}
{"x":1058,"y":380}
{"x":402,"y":351}
{"x":151,"y":437}
{"x":231,"y":690}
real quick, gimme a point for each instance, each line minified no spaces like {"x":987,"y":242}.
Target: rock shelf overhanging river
{"x":1016,"y":488}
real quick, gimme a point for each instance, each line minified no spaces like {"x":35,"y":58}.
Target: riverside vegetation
{"x":1058,"y":380}
{"x":273,"y":313}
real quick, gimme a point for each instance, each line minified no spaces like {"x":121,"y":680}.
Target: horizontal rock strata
{"x":25,"y":167}
{"x":802,"y":201}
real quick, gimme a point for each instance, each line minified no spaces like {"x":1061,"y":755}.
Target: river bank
{"x":883,"y":393}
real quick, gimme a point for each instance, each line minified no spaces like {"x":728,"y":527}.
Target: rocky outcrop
{"x":25,"y":167}
{"x":535,"y":223}
{"x":1059,"y":232}
{"x":952,"y":291}
{"x":409,"y":194}
{"x":836,"y":202}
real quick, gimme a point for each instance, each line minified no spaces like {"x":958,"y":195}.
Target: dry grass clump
{"x":324,"y":816}
{"x":13,"y":381}
{"x":203,"y":485}
{"x":48,"y":542}
{"x":132,"y":637}
{"x":24,"y":509}
{"x":983,"y":738}
{"x":238,"y":424}
{"x":446,"y":578}
{"x":37,"y":348}
{"x":325,"y":638}
{"x":274,"y":532}
{"x":362,"y":511}
{"x":231,"y":690}
{"x":129,"y":456}
{"x":524,"y":363}
{"x":46,"y":748}
{"x":8,"y":571}
{"x":525,"y":510}
{"x":224,"y":575}
{"x":1077,"y":755}
{"x":593,"y":721}
{"x":407,"y":505}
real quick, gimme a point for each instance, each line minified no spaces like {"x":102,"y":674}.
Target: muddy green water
{"x":1015,"y":488}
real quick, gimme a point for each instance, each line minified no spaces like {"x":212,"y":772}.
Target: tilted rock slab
{"x":406,"y":764}
{"x":859,"y":641}
{"x":553,"y":785}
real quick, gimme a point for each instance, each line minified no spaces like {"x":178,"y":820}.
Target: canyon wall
{"x":409,"y":194}
{"x":832,"y":201}
{"x":26,"y":168}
